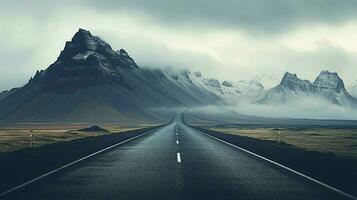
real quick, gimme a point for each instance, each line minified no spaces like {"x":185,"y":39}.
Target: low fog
{"x":309,"y":107}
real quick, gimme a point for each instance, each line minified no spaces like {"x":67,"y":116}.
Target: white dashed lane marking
{"x":178,"y":157}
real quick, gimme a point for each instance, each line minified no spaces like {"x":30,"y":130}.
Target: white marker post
{"x":31,"y":138}
{"x":279,"y":137}
{"x":178,"y":157}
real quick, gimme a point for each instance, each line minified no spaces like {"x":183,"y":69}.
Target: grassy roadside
{"x":339,"y":172}
{"x":14,"y":137}
{"x":341,"y":142}
{"x":25,"y":164}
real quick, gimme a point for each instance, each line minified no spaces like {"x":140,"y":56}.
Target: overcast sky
{"x":227,"y":39}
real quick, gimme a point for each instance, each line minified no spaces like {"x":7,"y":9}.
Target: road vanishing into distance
{"x":175,"y":162}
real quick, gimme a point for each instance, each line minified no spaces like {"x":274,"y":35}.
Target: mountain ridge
{"x":327,"y":85}
{"x":90,"y":80}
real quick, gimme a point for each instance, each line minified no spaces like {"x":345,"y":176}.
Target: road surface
{"x":175,"y":162}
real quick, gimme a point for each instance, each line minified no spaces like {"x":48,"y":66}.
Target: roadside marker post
{"x":278,"y":137}
{"x":31,"y":138}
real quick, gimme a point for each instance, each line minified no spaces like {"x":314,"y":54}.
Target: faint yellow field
{"x":15,"y":137}
{"x":342,"y":142}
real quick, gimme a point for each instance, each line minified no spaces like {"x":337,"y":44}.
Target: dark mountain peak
{"x":84,"y":42}
{"x":292,"y":82}
{"x":85,"y":61}
{"x":86,"y":50}
{"x":289,"y":76}
{"x":292,"y":78}
{"x":123,"y":52}
{"x":81,"y":35}
{"x":329,"y":80}
{"x":289,"y":79}
{"x":85,"y":38}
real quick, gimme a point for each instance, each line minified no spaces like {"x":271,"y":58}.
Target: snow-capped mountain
{"x":227,"y":90}
{"x":328,"y":85}
{"x":252,"y":87}
{"x":235,"y":92}
{"x":90,"y":81}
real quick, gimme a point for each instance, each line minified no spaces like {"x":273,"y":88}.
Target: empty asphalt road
{"x":175,"y":162}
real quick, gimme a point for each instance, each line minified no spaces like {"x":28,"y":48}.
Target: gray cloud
{"x":205,"y":35}
{"x":255,"y":16}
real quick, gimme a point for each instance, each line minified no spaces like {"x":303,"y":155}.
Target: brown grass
{"x":342,"y":142}
{"x":17,"y":136}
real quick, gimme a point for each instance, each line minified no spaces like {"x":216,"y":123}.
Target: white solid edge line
{"x":178,"y":157}
{"x":72,"y":163}
{"x":285,"y":167}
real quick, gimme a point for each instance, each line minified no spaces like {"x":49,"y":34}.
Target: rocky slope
{"x":7,"y":93}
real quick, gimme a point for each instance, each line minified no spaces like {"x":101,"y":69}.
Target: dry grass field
{"x":342,"y":142}
{"x":17,"y":136}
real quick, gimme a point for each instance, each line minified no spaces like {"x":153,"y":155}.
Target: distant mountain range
{"x":91,"y":82}
{"x":227,"y":90}
{"x":328,"y":86}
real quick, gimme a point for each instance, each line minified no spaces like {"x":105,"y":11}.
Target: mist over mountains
{"x":90,"y":81}
{"x":353,"y":88}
